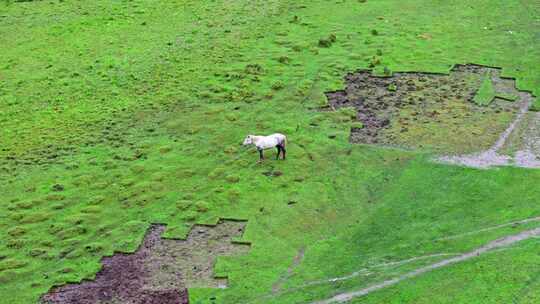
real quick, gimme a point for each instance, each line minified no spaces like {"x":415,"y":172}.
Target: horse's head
{"x":248,"y":140}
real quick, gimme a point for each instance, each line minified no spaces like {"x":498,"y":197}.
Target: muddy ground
{"x":427,"y":111}
{"x":160,"y":271}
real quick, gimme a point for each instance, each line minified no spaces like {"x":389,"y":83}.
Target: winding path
{"x":526,"y":157}
{"x":496,"y":244}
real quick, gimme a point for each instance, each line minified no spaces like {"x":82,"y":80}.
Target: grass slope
{"x":486,"y":93}
{"x":473,"y":281}
{"x":119,"y":114}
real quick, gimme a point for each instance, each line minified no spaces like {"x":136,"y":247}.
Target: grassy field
{"x":116,"y":115}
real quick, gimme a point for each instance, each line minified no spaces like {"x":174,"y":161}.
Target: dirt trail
{"x":297,"y":260}
{"x":366,"y":272}
{"x":528,"y":155}
{"x":439,"y":112}
{"x":515,"y":223}
{"x":496,"y":244}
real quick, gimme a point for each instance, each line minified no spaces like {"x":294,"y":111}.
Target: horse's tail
{"x":284,"y":144}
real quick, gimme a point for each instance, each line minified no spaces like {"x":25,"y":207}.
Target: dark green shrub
{"x":254,"y":69}
{"x":325,"y":43}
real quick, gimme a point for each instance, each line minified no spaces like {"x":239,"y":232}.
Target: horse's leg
{"x":278,"y":151}
{"x":283,"y":151}
{"x":261,"y":156}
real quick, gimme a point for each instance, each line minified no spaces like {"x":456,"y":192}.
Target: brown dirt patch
{"x":429,"y":111}
{"x":160,"y":271}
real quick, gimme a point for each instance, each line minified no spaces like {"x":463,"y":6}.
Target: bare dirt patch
{"x":160,"y":271}
{"x":518,"y":145}
{"x":524,"y":143}
{"x":491,"y":157}
{"x":428,"y":111}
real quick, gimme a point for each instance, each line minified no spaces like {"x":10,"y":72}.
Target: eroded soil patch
{"x":514,"y":137}
{"x":160,"y":271}
{"x":429,"y":111}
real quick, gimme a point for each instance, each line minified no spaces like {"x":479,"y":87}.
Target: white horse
{"x":267,"y":142}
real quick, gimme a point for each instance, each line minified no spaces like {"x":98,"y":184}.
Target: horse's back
{"x":271,"y":141}
{"x":282,"y":139}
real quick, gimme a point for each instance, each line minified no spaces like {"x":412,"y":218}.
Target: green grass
{"x":138,"y":108}
{"x":486,"y":93}
{"x":472,"y":281}
{"x":507,"y":97}
{"x":536,"y":105}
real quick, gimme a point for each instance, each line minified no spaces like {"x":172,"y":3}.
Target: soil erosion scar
{"x":525,"y":157}
{"x":499,"y":243}
{"x":428,"y":111}
{"x":160,"y":271}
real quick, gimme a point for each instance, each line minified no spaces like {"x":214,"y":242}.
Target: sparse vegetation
{"x":536,"y":105}
{"x":507,"y":97}
{"x":375,"y":61}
